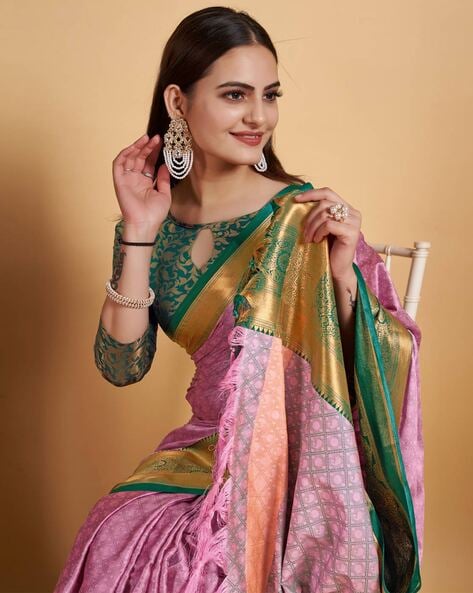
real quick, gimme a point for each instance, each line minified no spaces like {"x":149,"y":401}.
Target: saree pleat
{"x":135,"y":541}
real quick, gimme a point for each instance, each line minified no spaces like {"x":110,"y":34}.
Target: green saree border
{"x":393,"y":462}
{"x":155,"y":487}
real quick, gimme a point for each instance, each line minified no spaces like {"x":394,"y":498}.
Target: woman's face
{"x":238,"y":95}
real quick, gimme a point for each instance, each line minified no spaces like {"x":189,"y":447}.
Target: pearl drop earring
{"x":262,"y":165}
{"x":178,"y":153}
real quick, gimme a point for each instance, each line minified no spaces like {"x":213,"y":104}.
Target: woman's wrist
{"x":348,"y":278}
{"x":140,"y":232}
{"x":347,"y":285}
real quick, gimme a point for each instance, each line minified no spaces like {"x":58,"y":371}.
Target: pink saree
{"x":286,"y":478}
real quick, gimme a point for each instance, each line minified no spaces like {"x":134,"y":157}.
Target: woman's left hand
{"x":342,"y":235}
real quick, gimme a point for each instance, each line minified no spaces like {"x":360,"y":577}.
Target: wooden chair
{"x":418,"y":255}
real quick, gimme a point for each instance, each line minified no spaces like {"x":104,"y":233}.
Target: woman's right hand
{"x":140,"y":203}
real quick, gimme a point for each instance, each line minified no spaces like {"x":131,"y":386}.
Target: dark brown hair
{"x":200,"y":39}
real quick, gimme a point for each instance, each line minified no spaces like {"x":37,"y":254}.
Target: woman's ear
{"x":174,"y":101}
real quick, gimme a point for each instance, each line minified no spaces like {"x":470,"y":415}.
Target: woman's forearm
{"x":345,"y":294}
{"x":130,"y":278}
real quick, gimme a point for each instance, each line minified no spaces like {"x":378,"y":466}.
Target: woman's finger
{"x":309,"y":196}
{"x":150,"y":163}
{"x":323,"y":218}
{"x":321,"y":212}
{"x":318,"y":194}
{"x":318,"y":213}
{"x":327,"y":227}
{"x":137,"y":144}
{"x":144,"y":153}
{"x":120,"y":162}
{"x":130,"y":160}
{"x":335,"y":230}
{"x":163,"y":180}
{"x":315,"y":218}
{"x":322,"y":205}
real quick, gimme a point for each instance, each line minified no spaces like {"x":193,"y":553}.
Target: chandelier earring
{"x":178,"y":153}
{"x":262,"y":165}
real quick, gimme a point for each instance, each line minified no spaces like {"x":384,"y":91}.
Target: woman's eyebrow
{"x":248,"y":86}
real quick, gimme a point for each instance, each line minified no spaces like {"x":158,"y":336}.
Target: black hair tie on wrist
{"x":123,"y":242}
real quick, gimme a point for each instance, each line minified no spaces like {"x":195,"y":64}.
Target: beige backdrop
{"x":377,"y":106}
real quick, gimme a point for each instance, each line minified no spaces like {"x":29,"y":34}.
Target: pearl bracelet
{"x":133,"y":303}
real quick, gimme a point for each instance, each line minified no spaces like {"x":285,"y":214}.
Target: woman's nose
{"x":256,"y":113}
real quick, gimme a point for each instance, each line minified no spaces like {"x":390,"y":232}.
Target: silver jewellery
{"x":262,"y":165}
{"x":339,"y":211}
{"x":178,"y":153}
{"x":133,"y":303}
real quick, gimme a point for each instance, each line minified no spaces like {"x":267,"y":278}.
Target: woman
{"x":301,"y":467}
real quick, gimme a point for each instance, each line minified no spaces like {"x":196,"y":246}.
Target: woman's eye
{"x":275,"y":94}
{"x":272,"y":95}
{"x":233,"y":93}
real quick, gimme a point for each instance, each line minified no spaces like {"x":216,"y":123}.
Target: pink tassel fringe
{"x":213,"y":511}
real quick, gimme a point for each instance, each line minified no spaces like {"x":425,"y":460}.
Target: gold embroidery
{"x":186,"y":467}
{"x":289,"y":294}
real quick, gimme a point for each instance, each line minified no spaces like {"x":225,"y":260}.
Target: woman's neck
{"x":196,"y":201}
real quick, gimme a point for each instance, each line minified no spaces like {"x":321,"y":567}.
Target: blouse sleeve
{"x":124,"y":363}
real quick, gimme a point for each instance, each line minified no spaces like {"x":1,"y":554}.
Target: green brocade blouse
{"x":174,"y":277}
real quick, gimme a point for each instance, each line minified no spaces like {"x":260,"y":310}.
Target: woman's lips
{"x":251,"y":140}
